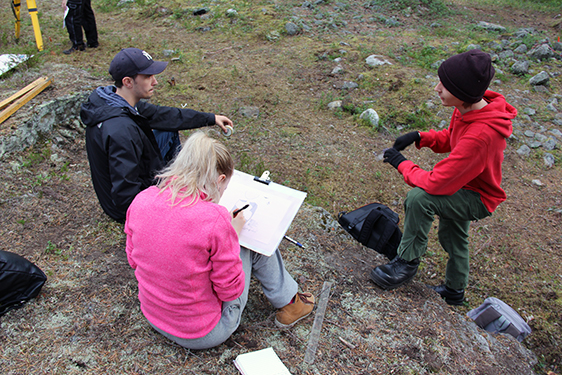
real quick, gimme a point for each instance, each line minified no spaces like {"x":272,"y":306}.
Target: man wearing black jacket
{"x":123,"y":151}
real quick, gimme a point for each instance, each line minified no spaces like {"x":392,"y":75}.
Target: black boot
{"x":451,"y":296}
{"x":395,"y":273}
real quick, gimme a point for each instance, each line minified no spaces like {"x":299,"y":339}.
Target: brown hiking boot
{"x":292,"y":313}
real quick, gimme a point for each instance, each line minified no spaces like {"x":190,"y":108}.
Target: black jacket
{"x":123,"y":154}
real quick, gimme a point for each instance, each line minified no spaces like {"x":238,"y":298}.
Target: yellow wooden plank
{"x":38,"y":81}
{"x":24,"y":99}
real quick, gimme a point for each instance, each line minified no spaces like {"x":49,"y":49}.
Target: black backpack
{"x":375,"y":226}
{"x":20,"y":280}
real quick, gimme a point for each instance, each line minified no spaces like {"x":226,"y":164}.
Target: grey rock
{"x":540,"y":79}
{"x":372,"y":116}
{"x":58,"y":117}
{"x":507,"y":54}
{"x":521,"y":49}
{"x":557,"y":46}
{"x":548,"y":160}
{"x":392,"y":22}
{"x":541,"y":137}
{"x":551,"y":107}
{"x":292,"y":28}
{"x":122,"y":3}
{"x":473,"y":46}
{"x":542,"y":52}
{"x":231,"y":12}
{"x":557,"y":133}
{"x":168,"y":52}
{"x":524,"y":151}
{"x":529,"y":133}
{"x":377,"y":60}
{"x":529,"y":111}
{"x":335,"y":104}
{"x":490,"y":26}
{"x":250,"y":111}
{"x":437,"y":64}
{"x":540,"y":88}
{"x":534,"y":144}
{"x":520,"y":68}
{"x":495,"y":45}
{"x":550,"y":144}
{"x":337,"y":70}
{"x":523,"y":32}
{"x":349,"y":85}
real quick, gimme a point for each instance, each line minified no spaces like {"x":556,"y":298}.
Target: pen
{"x":236,"y":212}
{"x":293,"y":241}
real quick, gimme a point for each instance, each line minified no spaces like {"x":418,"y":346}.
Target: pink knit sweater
{"x":186,"y":260}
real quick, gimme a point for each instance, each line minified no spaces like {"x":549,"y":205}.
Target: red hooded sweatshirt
{"x":476,"y":141}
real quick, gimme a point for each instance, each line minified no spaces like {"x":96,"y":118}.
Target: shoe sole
{"x":374,"y":278}
{"x":281,"y":325}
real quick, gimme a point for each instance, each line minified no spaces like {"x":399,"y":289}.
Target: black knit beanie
{"x":467,"y":75}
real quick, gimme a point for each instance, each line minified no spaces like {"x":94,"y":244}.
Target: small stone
{"x":372,"y":116}
{"x":231,"y":12}
{"x":337,"y":70}
{"x":335,"y":104}
{"x":537,"y":182}
{"x":524,"y":151}
{"x":529,"y":111}
{"x":250,"y":111}
{"x":292,"y":28}
{"x":376,"y":60}
{"x":348,"y":85}
{"x":534,"y":144}
{"x":541,"y":137}
{"x":540,"y":79}
{"x":555,"y":132}
{"x":521,"y":49}
{"x":520,"y":68}
{"x":550,"y":144}
{"x":548,"y":160}
{"x":529,"y":133}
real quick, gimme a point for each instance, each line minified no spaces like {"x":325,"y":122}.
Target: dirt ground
{"x":87,"y":318}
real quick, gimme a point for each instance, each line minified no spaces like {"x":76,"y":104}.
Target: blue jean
{"x":168,"y":143}
{"x":277,"y":285}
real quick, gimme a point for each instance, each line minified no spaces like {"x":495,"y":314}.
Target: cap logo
{"x":147,"y":55}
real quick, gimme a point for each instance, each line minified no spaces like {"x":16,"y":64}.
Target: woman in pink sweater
{"x":193,"y":275}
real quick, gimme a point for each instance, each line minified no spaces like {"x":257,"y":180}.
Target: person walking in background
{"x":193,"y":275}
{"x":129,"y":140}
{"x":79,"y":14}
{"x":464,"y":186}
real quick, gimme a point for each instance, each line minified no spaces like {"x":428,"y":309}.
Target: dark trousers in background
{"x":81,"y":15}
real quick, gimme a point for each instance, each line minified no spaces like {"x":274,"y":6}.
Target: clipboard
{"x":272,"y":208}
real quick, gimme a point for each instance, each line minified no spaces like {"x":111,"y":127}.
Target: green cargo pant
{"x":455,"y":214}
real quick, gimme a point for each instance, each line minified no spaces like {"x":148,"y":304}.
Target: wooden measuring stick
{"x":24,"y":95}
{"x":317,"y":325}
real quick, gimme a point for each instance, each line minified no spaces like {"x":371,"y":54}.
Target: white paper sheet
{"x":10,"y":60}
{"x":272,"y":209}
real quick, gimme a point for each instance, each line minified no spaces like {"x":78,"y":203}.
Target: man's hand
{"x":223,"y":121}
{"x":393,"y":157}
{"x":405,"y":140}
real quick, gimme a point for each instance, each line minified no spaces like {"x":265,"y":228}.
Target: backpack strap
{"x":368,"y":226}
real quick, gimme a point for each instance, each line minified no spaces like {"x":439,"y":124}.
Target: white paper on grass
{"x":272,"y":209}
{"x":11,"y":60}
{"x":261,"y":362}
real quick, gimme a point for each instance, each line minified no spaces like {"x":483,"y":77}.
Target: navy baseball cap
{"x":132,"y":61}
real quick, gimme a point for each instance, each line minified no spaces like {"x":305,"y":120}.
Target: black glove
{"x":405,"y":140}
{"x":393,"y":157}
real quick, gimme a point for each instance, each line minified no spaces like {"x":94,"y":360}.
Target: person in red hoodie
{"x":464,"y":186}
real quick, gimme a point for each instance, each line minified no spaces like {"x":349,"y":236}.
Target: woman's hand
{"x":238,"y":222}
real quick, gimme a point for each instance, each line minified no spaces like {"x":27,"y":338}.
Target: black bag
{"x":375,"y":226}
{"x":20,"y":280}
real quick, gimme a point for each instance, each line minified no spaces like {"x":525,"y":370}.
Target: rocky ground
{"x":277,"y":87}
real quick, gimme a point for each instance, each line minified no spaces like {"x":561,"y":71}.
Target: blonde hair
{"x":196,"y":170}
